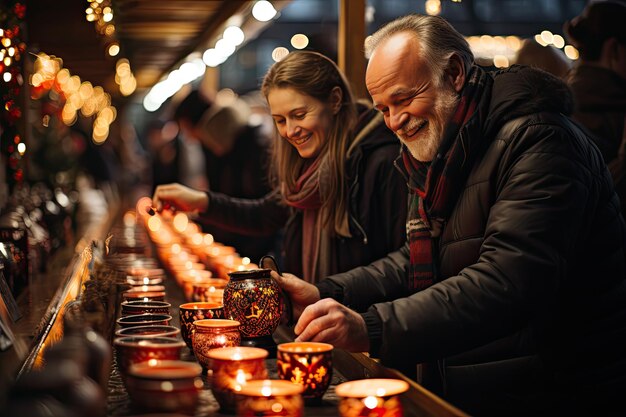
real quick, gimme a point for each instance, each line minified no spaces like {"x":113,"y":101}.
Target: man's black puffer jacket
{"x":529,"y":314}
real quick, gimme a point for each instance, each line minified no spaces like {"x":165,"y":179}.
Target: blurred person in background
{"x":547,"y":58}
{"x":598,"y":81}
{"x":235,"y":157}
{"x":335,"y":191}
{"x":164,"y":147}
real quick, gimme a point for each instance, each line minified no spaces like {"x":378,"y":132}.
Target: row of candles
{"x":148,"y":356}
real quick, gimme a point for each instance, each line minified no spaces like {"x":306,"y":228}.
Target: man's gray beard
{"x":425,"y":148}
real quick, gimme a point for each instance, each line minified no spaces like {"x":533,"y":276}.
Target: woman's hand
{"x":179,"y":197}
{"x":300,"y":292}
{"x":331,"y":322}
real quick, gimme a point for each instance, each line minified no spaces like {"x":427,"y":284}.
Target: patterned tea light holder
{"x":269,"y":398}
{"x":371,"y":397}
{"x":230,"y":369}
{"x":209,"y":334}
{"x":190,"y":312}
{"x":309,"y":364}
{"x":255,"y":300}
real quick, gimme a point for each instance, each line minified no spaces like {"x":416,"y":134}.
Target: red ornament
{"x":20,"y":10}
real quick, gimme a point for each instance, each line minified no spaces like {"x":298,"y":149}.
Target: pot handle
{"x":269,"y":262}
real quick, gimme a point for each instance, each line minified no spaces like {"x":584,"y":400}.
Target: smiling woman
{"x":336,"y":191}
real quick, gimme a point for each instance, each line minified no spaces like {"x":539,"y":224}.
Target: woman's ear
{"x":336,"y":97}
{"x":455,"y":73}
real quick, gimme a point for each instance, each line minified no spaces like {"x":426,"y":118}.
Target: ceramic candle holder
{"x":253,"y":298}
{"x":130,"y":308}
{"x":144,"y":320}
{"x":309,"y":364}
{"x":190,"y":312}
{"x":143,"y":295}
{"x":270,"y":398}
{"x":145,"y":272}
{"x":213,"y":334}
{"x":206,"y":289}
{"x":137,"y":281}
{"x":371,"y":397}
{"x":148,"y":331}
{"x":170,"y":386}
{"x":230,"y":369}
{"x":130,"y":350}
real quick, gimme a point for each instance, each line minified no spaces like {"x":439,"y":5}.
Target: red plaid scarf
{"x":435,"y":187}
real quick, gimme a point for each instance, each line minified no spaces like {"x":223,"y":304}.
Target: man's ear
{"x":336,"y":96}
{"x":455,"y":73}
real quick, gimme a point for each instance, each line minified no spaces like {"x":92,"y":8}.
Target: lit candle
{"x":270,"y":398}
{"x":230,"y":369}
{"x":308,"y":364}
{"x":367,"y":397}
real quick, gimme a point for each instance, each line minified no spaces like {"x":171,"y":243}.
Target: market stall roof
{"x":154,"y":35}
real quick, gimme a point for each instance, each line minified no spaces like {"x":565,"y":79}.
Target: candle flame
{"x":370,"y":402}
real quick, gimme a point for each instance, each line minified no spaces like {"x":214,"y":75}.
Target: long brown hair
{"x":315,"y":75}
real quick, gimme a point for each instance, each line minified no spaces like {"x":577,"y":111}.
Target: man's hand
{"x":180,"y":198}
{"x":300,"y":292}
{"x":331,"y":322}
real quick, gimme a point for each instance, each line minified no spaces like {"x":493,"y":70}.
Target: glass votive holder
{"x":230,"y":369}
{"x":309,"y":364}
{"x":131,"y":349}
{"x":170,"y":386}
{"x":144,"y":320}
{"x":137,"y":281}
{"x":145,"y":272}
{"x":211,"y":334}
{"x":130,"y":308}
{"x":371,"y":397}
{"x":143,"y":295}
{"x":190,"y":312}
{"x":149,"y":331}
{"x":207,"y":290}
{"x":269,"y":397}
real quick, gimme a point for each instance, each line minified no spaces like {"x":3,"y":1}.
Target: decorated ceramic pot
{"x":190,"y":312}
{"x":254,"y":299}
{"x":211,"y":334}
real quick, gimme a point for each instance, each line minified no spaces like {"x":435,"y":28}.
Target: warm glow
{"x":154,"y":223}
{"x":234,"y":35}
{"x":263,"y":11}
{"x":540,"y":41}
{"x":196,"y":239}
{"x":558,"y":41}
{"x":208,"y":239}
{"x":370,"y":402}
{"x":299,"y":41}
{"x":114,"y":49}
{"x":180,"y":222}
{"x":433,"y":7}
{"x":571,"y":52}
{"x":6,"y":76}
{"x":547,"y":37}
{"x":279,"y":53}
{"x":21,"y":148}
{"x":6,"y":42}
{"x":500,"y":61}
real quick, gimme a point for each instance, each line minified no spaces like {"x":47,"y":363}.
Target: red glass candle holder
{"x":144,"y":320}
{"x":130,"y":350}
{"x":190,"y":312}
{"x":149,"y":331}
{"x":269,"y":398}
{"x":309,"y":364}
{"x":134,"y":307}
{"x":371,"y":397}
{"x":230,"y":369}
{"x":208,"y":289}
{"x":171,"y":386}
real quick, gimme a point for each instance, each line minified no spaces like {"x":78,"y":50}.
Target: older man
{"x":513,"y":278}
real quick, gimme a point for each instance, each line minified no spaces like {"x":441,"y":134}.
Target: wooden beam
{"x":351,"y":38}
